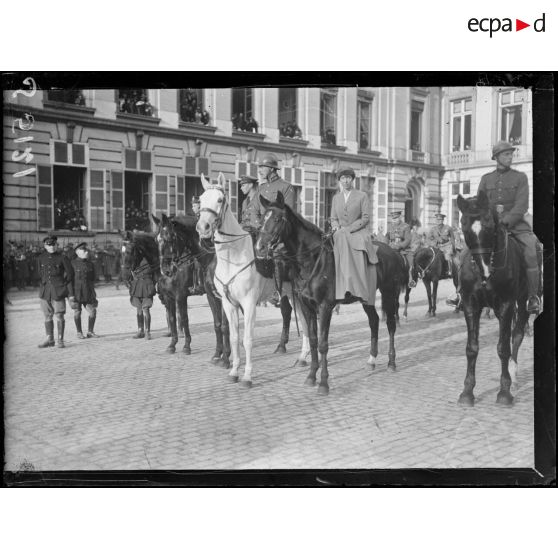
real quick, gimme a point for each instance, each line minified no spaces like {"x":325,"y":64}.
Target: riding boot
{"x":277,"y":275}
{"x":77,"y":321}
{"x":90,"y":326}
{"x":140,"y":334}
{"x":533,"y":302}
{"x":147,"y":326}
{"x":60,"y":327}
{"x":49,"y":342}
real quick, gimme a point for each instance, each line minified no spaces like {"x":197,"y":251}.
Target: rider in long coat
{"x":353,"y":248}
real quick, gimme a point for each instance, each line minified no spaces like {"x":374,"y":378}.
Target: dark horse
{"x":492,"y":274}
{"x":428,"y":265}
{"x":310,"y":253}
{"x":180,"y":254}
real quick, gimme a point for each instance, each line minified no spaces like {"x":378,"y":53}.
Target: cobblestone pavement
{"x":120,"y":403}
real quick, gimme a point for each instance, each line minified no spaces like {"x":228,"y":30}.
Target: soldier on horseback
{"x":441,"y":237}
{"x":251,"y":209}
{"x":399,"y":238}
{"x":508,"y":190}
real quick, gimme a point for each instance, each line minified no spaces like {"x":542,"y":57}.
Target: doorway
{"x":137,"y":201}
{"x":69,"y":198}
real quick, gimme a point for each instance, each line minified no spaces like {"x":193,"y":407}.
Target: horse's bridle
{"x":491,"y":252}
{"x":422,"y":271}
{"x":134,"y":272}
{"x":275,"y":239}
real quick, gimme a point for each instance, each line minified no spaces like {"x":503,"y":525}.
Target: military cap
{"x":395,"y":214}
{"x":270,"y":161}
{"x":82,"y":246}
{"x":440,"y":216}
{"x":345,"y":171}
{"x":248,"y":180}
{"x":500,"y":147}
{"x":195,"y":199}
{"x":51,"y":240}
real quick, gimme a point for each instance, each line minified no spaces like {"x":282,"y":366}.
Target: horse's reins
{"x":423,"y":271}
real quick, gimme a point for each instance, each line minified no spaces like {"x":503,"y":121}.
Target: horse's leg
{"x":504,"y":396}
{"x":434,"y":295}
{"x":249,"y":326}
{"x":519,"y":330}
{"x":304,"y":355}
{"x":429,"y":295}
{"x":373,"y":322}
{"x":232,"y":317}
{"x":325,"y":321}
{"x":311,"y":321}
{"x":472,"y":311}
{"x":171,"y":321}
{"x":185,"y":323}
{"x":407,"y":292}
{"x":226,"y":338}
{"x":217,"y":314}
{"x":286,"y":312}
{"x":389,"y":301}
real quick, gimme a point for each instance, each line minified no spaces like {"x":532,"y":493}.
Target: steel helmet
{"x":270,"y":161}
{"x":500,"y":147}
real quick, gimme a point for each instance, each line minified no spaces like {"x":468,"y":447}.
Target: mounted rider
{"x":353,"y":247}
{"x":270,"y":184}
{"x":508,"y":191}
{"x":251,"y":212}
{"x":417,"y":242}
{"x":441,"y":236}
{"x":399,"y":238}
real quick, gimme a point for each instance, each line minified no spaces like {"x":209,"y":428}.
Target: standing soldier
{"x":270,"y":184}
{"x":399,"y":238}
{"x":509,"y":189}
{"x":441,"y":236}
{"x":142,"y":291}
{"x":57,"y":277}
{"x":84,"y":290}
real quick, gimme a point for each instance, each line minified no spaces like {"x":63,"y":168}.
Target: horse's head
{"x":479,"y":225}
{"x":213,"y":204}
{"x":274,"y":225}
{"x":130,"y":256}
{"x":166,"y":244}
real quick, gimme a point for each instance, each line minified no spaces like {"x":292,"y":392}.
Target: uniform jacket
{"x":399,"y":236}
{"x":269,"y":191}
{"x":142,"y":284}
{"x":251,"y":212}
{"x":440,"y":235}
{"x":509,"y":188}
{"x":84,"y":277}
{"x":57,"y":275}
{"x":417,"y":240}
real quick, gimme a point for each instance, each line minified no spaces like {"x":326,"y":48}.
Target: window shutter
{"x":298,"y":175}
{"x":190,"y":165}
{"x":241,"y":169}
{"x":180,"y":196}
{"x":130,"y":159}
{"x":161,"y":195}
{"x":233,"y":196}
{"x":380,"y":204}
{"x":203,"y":166}
{"x":96,"y":196}
{"x":60,"y":152}
{"x":145,"y":160}
{"x":309,"y":203}
{"x":45,"y":215}
{"x":117,"y":200}
{"x":78,"y":154}
{"x":172,"y":195}
{"x":287,"y":174}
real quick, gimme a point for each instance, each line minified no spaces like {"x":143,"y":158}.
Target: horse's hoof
{"x":171,"y":350}
{"x":504,"y":398}
{"x":246,"y":384}
{"x":300,"y":362}
{"x":225,"y":363}
{"x":310,"y":382}
{"x":323,"y":390}
{"x":216,"y":357}
{"x":392,"y":368}
{"x":187,"y":350}
{"x":280,"y":349}
{"x":232,"y":379}
{"x":216,"y":361}
{"x":466,"y":399}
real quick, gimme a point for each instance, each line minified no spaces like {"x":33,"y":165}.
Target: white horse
{"x":241,"y":287}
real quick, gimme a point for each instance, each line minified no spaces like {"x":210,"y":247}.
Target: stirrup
{"x":534,"y":305}
{"x":454,"y":300}
{"x":412,"y":284}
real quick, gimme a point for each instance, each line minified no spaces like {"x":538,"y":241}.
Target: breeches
{"x":91,"y":309}
{"x":528,"y":242}
{"x":51,"y":307}
{"x":141,"y":303}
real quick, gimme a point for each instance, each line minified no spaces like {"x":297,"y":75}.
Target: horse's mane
{"x":187,"y":223}
{"x":301,"y":221}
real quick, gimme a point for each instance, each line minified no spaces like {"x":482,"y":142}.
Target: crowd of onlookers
{"x":290,"y":130}
{"x":68,"y":216}
{"x":136,"y":218}
{"x":20,"y":269}
{"x":328,"y":137}
{"x":243,"y":124}
{"x":135,"y":101}
{"x":191,"y":110}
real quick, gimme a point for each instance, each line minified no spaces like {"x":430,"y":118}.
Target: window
{"x":380,"y":205}
{"x":295,"y":177}
{"x":417,"y":108}
{"x":69,"y":96}
{"x":511,"y":107}
{"x":242,"y":111}
{"x":364,"y":115}
{"x":461,"y":116}
{"x":191,"y":106}
{"x":328,"y":116}
{"x":288,"y":127}
{"x":135,"y":101}
{"x":456,"y":188}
